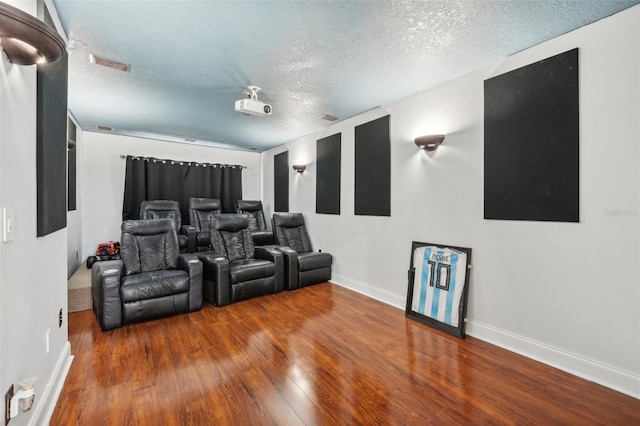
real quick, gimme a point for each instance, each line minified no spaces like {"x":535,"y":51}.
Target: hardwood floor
{"x":321,"y":355}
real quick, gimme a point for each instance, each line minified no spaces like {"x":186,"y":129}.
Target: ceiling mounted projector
{"x":251,"y":105}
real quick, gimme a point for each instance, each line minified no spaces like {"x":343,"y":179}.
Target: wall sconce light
{"x":26,"y":40}
{"x":299,"y":167}
{"x":429,"y":142}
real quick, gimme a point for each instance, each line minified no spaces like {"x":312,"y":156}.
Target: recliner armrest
{"x":216,"y":275}
{"x":275,"y":256}
{"x":290,"y":267}
{"x":191,"y":233}
{"x":105,"y":293}
{"x":193,"y":267}
{"x":263,"y":238}
{"x":222,"y":285}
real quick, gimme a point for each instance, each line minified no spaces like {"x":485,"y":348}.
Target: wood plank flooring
{"x":321,"y":355}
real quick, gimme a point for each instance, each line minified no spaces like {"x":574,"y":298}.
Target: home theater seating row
{"x":195,"y":236}
{"x":232,"y":257}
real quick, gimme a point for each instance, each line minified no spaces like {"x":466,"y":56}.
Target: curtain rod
{"x":181,"y":162}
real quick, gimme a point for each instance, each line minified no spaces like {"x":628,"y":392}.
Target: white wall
{"x":74,"y":217}
{"x":564,"y":293}
{"x":33,"y":272}
{"x":101,"y":174}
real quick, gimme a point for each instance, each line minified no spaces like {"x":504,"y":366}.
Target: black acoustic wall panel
{"x":328,"y":156}
{"x":373,"y":168}
{"x":281,"y":182}
{"x":71,"y":165}
{"x":51,"y":144}
{"x":531,"y":142}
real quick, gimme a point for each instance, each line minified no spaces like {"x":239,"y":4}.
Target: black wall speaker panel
{"x":281,"y":182}
{"x":531,"y":142}
{"x":51,"y":144}
{"x":71,"y":165}
{"x":373,"y":168}
{"x":328,"y":156}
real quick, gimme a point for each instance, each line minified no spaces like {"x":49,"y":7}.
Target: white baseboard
{"x":578,"y":365}
{"x":51,"y":391}
{"x":385,"y":296}
{"x":605,"y":375}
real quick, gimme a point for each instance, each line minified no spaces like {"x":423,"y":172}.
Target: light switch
{"x":7,"y":224}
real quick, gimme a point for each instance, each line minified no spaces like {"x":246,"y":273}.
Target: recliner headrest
{"x":147,"y":227}
{"x":160,"y":205}
{"x":204,"y":203}
{"x":156,"y":209}
{"x":229,"y":222}
{"x":248,"y":205}
{"x":288,"y":220}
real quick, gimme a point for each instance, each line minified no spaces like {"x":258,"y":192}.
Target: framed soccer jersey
{"x":439,"y":286}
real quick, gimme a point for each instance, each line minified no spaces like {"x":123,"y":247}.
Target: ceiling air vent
{"x":105,"y":128}
{"x":328,"y":117}
{"x":109,"y":63}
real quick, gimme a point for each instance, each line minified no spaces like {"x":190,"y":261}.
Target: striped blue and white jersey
{"x":438,"y":283}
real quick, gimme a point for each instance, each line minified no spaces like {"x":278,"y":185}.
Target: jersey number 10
{"x":441,"y":272}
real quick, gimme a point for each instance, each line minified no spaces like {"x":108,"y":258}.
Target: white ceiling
{"x":190,"y":60}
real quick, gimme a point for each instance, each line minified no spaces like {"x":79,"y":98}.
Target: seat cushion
{"x":149,"y":285}
{"x":253,"y":221}
{"x":295,"y":239}
{"x":234,"y":243}
{"x":250,"y":269}
{"x":313,"y":260}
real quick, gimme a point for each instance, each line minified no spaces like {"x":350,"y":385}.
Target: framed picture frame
{"x":439,"y":286}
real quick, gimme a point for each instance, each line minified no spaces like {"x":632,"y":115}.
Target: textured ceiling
{"x":190,"y":60}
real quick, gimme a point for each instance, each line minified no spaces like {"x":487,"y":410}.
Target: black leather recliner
{"x":257,"y":223}
{"x":303,"y":266}
{"x":236,"y":269}
{"x":200,"y":212}
{"x":161,"y":209}
{"x":151,"y":280}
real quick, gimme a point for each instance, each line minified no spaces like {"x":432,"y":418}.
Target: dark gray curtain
{"x":154,"y":179}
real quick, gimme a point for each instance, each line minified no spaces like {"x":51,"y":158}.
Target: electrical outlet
{"x":60,"y":318}
{"x":7,"y":404}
